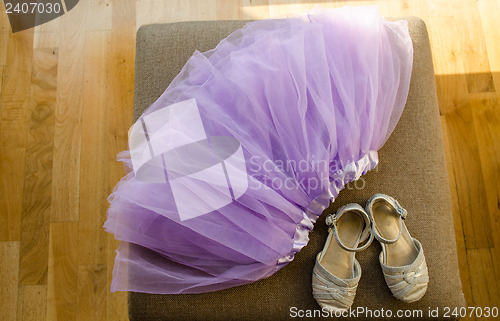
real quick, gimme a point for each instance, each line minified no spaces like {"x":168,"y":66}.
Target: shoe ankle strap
{"x":332,"y":219}
{"x":399,"y":209}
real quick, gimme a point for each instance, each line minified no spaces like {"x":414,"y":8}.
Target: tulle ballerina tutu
{"x":230,"y":168}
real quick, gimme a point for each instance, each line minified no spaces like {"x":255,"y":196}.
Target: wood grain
{"x":67,"y":130}
{"x":93,"y":159}
{"x":1,"y":83}
{"x":173,"y":11}
{"x":38,"y":169}
{"x":484,"y":281}
{"x":120,"y":77}
{"x":254,"y":9}
{"x":32,"y":304}
{"x":202,"y":10}
{"x":63,"y":272}
{"x":92,"y":292}
{"x":92,"y":239}
{"x":469,"y":183}
{"x":4,"y":35}
{"x":486,"y":115}
{"x":479,"y":77}
{"x":225,"y":11}
{"x":99,"y":15}
{"x":149,"y":11}
{"x":46,"y":40}
{"x":449,"y":67}
{"x":457,"y":219}
{"x":117,"y":307}
{"x":47,"y":34}
{"x":9,"y":272}
{"x":14,"y":104}
{"x":491,"y":25}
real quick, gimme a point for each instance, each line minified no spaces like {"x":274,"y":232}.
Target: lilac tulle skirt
{"x":230,"y":168}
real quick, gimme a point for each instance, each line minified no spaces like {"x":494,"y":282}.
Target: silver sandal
{"x":402,"y":258}
{"x":336,"y":273}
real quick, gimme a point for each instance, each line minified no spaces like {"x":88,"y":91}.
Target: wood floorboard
{"x":62,"y":295}
{"x":457,"y":220}
{"x":38,"y":169}
{"x":9,"y":276}
{"x":469,"y":180}
{"x":486,"y":113}
{"x":68,"y":111}
{"x":32,"y":302}
{"x":14,"y":102}
{"x":120,"y":101}
{"x":92,"y":292}
{"x":93,"y":158}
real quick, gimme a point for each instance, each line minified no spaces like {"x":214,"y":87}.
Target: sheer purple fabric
{"x":231,"y":166}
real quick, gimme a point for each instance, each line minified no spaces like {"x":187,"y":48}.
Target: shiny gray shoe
{"x":336,"y":273}
{"x":402,"y":258}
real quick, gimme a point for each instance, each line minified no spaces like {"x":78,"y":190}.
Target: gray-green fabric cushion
{"x":412,"y":169}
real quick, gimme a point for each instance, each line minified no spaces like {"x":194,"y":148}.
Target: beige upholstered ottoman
{"x":412,"y":169}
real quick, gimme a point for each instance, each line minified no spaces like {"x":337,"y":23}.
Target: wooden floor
{"x":66,"y":105}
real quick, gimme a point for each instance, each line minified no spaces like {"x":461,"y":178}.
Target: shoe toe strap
{"x":402,"y":284}
{"x":325,"y":288}
{"x":406,"y":279}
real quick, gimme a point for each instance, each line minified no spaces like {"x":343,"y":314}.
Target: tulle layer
{"x":231,"y":166}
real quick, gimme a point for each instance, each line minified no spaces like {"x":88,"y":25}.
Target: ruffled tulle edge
{"x":350,"y":173}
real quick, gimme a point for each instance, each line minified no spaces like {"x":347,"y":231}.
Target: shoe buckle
{"x":400,"y":210}
{"x":330,"y":220}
